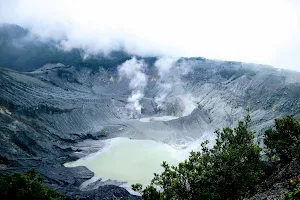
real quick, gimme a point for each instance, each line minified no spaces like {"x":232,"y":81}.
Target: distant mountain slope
{"x":20,"y":50}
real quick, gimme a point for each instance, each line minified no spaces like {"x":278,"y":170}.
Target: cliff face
{"x":45,"y":114}
{"x":40,"y":123}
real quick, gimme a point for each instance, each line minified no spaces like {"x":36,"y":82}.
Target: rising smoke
{"x":171,"y":96}
{"x":171,"y":86}
{"x":165,"y":83}
{"x":133,"y":70}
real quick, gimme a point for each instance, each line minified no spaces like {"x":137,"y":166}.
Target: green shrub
{"x":283,"y":142}
{"x":231,"y":169}
{"x":26,"y":186}
{"x":294,"y":189}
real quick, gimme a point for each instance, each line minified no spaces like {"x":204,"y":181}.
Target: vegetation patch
{"x":26,"y":186}
{"x":232,"y":169}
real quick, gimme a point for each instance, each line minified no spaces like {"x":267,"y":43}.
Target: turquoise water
{"x":133,"y":161}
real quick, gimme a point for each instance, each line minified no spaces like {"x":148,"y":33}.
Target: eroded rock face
{"x":46,"y":114}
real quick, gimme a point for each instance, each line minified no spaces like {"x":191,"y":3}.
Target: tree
{"x":283,"y":142}
{"x":231,"y":169}
{"x":26,"y":186}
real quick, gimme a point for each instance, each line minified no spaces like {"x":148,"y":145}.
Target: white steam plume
{"x":134,"y":71}
{"x":165,"y":83}
{"x":171,"y":86}
{"x":189,"y":103}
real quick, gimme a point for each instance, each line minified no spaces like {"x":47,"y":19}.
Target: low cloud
{"x":229,"y":31}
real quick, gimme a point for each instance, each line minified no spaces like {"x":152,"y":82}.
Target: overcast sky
{"x":259,"y":31}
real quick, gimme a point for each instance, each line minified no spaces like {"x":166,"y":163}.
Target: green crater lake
{"x":130,"y":160}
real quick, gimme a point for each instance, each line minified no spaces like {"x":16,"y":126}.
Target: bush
{"x":231,"y":169}
{"x":26,"y":186}
{"x":283,"y":142}
{"x":294,"y":189}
